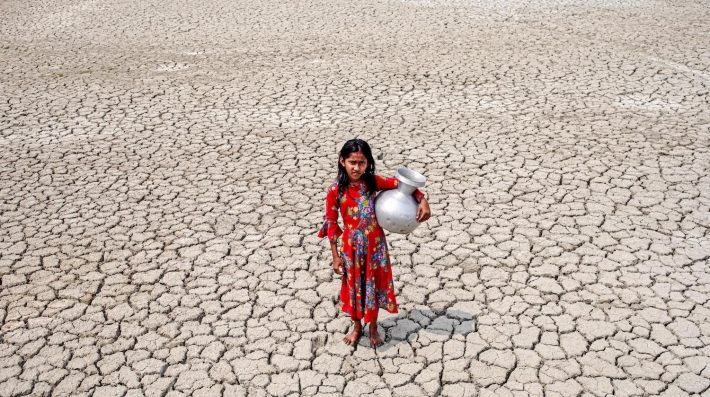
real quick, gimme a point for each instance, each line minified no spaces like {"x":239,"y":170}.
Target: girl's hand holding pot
{"x":423,"y":211}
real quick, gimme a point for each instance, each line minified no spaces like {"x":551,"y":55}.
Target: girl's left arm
{"x":423,"y":212}
{"x":391,"y":183}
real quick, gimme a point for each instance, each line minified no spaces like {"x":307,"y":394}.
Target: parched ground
{"x":163,"y":167}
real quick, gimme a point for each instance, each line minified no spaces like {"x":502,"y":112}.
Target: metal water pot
{"x":396,"y":209}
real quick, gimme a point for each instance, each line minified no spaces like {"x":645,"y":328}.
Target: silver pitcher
{"x":396,"y":209}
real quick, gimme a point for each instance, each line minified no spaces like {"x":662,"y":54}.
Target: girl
{"x":363,"y":258}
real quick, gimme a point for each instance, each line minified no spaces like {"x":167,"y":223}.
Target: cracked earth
{"x":163,"y":168}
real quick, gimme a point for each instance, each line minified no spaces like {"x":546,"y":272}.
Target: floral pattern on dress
{"x":367,"y":284}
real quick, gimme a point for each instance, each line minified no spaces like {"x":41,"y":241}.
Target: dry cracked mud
{"x":163,"y":168}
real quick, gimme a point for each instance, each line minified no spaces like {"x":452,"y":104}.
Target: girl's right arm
{"x":330,"y":228}
{"x":338,"y":266}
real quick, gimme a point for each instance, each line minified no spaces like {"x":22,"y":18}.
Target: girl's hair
{"x":355,"y":146}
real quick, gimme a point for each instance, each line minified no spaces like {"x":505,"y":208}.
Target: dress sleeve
{"x":391,"y":183}
{"x":418,"y":195}
{"x":330,"y":227}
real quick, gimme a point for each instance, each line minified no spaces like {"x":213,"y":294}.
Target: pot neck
{"x":405,"y":189}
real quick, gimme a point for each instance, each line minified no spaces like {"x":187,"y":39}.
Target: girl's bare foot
{"x":352,"y":337}
{"x":375,"y":339}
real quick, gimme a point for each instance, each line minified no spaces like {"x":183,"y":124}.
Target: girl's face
{"x":355,"y":165}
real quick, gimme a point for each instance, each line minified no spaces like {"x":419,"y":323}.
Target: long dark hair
{"x":354,"y":146}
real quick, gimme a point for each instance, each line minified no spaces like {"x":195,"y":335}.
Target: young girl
{"x":363,"y":258}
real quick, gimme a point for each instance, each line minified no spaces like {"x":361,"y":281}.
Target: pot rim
{"x":410,"y":177}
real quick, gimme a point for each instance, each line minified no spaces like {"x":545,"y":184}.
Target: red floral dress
{"x":367,"y":282}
